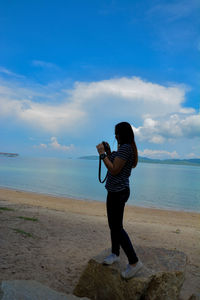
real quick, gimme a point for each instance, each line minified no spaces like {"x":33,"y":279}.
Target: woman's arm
{"x":115,"y":167}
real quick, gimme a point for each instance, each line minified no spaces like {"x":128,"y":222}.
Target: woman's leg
{"x":127,"y":246}
{"x":115,"y":211}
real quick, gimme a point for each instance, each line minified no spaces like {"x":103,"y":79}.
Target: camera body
{"x":107,"y":148}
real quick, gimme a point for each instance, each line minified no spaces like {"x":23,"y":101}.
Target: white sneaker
{"x":131,"y":270}
{"x":110,"y":259}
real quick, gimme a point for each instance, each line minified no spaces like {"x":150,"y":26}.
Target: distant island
{"x":9,"y":154}
{"x":189,"y":162}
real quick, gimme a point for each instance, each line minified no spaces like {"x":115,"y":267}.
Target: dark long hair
{"x":125,"y":135}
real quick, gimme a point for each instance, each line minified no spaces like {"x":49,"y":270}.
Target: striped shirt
{"x":119,"y":182}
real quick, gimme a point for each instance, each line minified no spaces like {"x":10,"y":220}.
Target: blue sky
{"x":71,"y":70}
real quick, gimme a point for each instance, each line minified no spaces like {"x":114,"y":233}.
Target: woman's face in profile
{"x":117,"y":137}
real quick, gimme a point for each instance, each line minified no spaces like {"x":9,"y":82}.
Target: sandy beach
{"x":54,"y":246}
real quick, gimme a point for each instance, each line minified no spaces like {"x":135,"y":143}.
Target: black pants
{"x":115,"y":211}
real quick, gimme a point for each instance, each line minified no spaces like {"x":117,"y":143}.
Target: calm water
{"x":152,"y":185}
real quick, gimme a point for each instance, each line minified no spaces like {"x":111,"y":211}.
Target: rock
{"x":161,"y":277}
{"x":30,"y":290}
{"x":194,"y":297}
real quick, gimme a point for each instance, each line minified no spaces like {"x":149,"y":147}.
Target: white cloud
{"x":22,"y":105}
{"x":157,"y":139}
{"x":10,"y":73}
{"x":174,"y":25}
{"x":42,"y":146}
{"x":192,"y":155}
{"x":176,"y":126}
{"x":138,"y":96}
{"x":158,"y":109}
{"x":158,"y":154}
{"x":44,"y":64}
{"x":55,"y":146}
{"x":175,"y":10}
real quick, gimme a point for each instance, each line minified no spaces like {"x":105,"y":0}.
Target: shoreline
{"x":2,"y":189}
{"x":98,"y":208}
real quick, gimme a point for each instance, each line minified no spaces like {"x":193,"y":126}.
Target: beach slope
{"x":50,"y":239}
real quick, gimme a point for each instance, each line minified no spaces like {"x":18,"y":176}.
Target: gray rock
{"x":161,"y":277}
{"x":194,"y":297}
{"x":30,"y":290}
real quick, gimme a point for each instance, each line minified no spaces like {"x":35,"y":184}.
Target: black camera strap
{"x":101,"y":181}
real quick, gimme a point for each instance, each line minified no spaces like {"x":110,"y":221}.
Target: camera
{"x":107,"y":148}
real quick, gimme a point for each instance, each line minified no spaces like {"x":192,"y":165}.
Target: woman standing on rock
{"x":119,"y":164}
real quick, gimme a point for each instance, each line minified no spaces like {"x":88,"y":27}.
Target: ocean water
{"x":172,"y":187}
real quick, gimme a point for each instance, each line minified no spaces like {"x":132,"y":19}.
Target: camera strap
{"x":101,"y":181}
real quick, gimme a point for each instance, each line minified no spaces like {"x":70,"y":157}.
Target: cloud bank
{"x":176,"y":126}
{"x":158,"y":109}
{"x":158,"y":154}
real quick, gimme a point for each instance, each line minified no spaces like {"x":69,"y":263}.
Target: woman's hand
{"x":115,"y":167}
{"x":100,"y":148}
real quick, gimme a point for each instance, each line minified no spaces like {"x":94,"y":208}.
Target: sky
{"x":70,"y":70}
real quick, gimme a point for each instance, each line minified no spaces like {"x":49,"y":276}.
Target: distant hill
{"x":90,"y":157}
{"x":194,"y":161}
{"x":8,"y":154}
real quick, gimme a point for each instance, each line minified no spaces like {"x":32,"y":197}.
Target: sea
{"x":171,"y":187}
